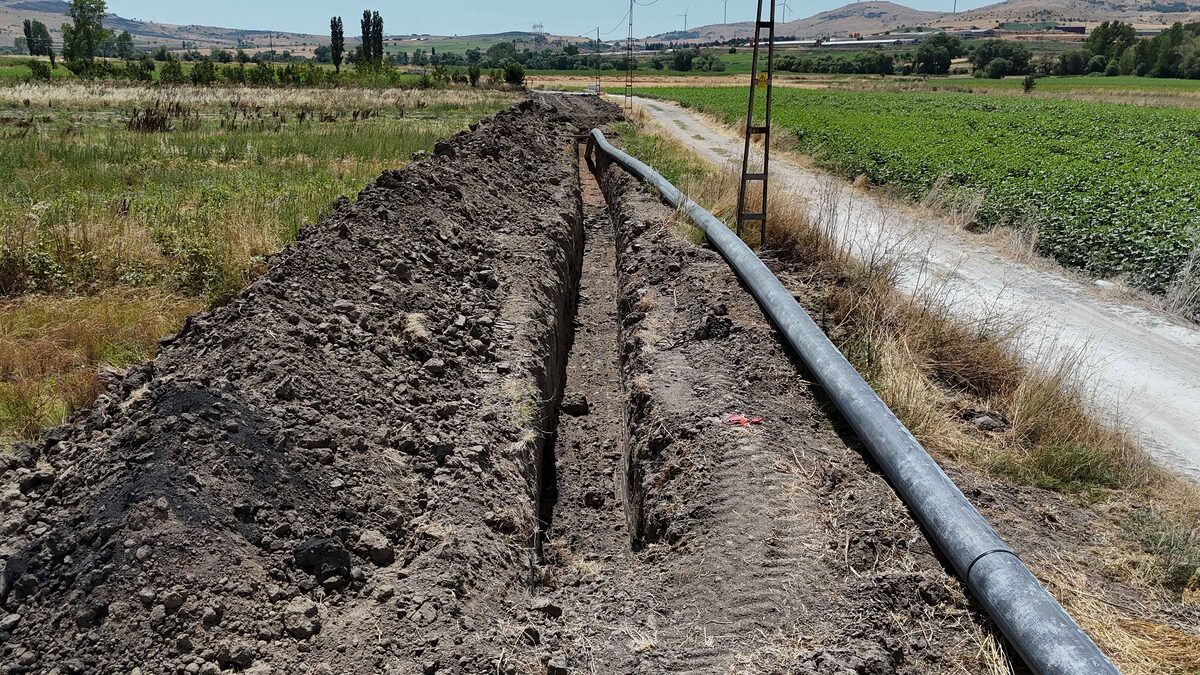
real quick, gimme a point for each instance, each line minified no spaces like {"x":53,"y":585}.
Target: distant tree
{"x":124,"y":44}
{"x":1014,"y":52}
{"x":38,"y":42}
{"x":1111,"y":39}
{"x":682,"y":61}
{"x":141,"y":68}
{"x":323,"y":54}
{"x":261,"y":74}
{"x":172,"y":72}
{"x":473,"y":73}
{"x":501,"y":53}
{"x":162,"y":54}
{"x":952,"y":44}
{"x":931,"y":60}
{"x":571,"y":50}
{"x":1028,"y":84}
{"x":377,"y":38}
{"x":83,"y":37}
{"x":367,"y":48}
{"x":1074,"y":62}
{"x":514,"y":74}
{"x":204,"y":72}
{"x":242,"y":57}
{"x":221,"y":55}
{"x":337,"y":42}
{"x":997,"y":69}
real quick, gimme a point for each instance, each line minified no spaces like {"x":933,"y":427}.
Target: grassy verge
{"x":943,"y":378}
{"x":126,"y":208}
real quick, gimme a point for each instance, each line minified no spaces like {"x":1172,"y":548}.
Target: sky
{"x":465,"y":17}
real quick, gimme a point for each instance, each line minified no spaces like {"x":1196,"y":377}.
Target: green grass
{"x":1111,"y":188}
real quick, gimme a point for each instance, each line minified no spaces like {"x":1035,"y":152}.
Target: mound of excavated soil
{"x":336,"y":472}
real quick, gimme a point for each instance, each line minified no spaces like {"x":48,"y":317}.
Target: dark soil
{"x":337,"y":471}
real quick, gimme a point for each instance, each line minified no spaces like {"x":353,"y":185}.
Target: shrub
{"x":204,"y":72}
{"x":473,"y":74}
{"x":514,"y":74}
{"x":140,"y":69}
{"x":998,"y":68}
{"x":172,"y":73}
{"x":262,"y":74}
{"x":1028,"y":83}
{"x":39,"y":70}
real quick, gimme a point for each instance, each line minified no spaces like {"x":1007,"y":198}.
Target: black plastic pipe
{"x":1036,"y":625}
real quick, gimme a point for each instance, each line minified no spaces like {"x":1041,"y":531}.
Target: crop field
{"x":133,"y":207}
{"x":1111,"y":189}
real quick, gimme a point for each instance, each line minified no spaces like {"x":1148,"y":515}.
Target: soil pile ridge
{"x":336,"y":472}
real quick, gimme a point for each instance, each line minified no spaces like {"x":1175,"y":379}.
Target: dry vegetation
{"x":125,"y":208}
{"x":942,"y":376}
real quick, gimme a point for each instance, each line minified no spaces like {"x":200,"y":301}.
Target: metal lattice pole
{"x":629,"y":64}
{"x":759,"y":80}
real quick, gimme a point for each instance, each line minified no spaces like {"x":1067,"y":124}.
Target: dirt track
{"x":1144,"y":367}
{"x":478,"y":421}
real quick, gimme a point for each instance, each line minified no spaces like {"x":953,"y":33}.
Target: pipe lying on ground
{"x":1036,"y":625}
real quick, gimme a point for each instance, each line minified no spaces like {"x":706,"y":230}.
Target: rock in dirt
{"x":376,"y":547}
{"x":576,"y":405}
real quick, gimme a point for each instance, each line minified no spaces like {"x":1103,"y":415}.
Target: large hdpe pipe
{"x":1036,"y":625}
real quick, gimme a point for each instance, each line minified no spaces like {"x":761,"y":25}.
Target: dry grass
{"x":51,"y":348}
{"x":937,"y":373}
{"x":96,"y":95}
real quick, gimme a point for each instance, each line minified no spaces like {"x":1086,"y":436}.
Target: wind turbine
{"x":684,"y":15}
{"x":726,"y":12}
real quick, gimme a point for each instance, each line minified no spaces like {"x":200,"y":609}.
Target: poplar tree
{"x":377,"y":38}
{"x":337,"y":42}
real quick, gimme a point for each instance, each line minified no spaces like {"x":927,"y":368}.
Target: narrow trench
{"x":581,"y":513}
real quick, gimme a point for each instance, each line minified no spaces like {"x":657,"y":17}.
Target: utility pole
{"x":765,"y":81}
{"x":599,"y":91}
{"x":629,"y":64}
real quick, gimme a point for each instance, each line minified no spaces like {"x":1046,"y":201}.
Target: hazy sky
{"x":462,"y":17}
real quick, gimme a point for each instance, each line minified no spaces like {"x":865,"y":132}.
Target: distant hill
{"x":148,"y":33}
{"x":153,"y":34}
{"x":860,"y":17}
{"x":1147,"y":13}
{"x":877,"y":17}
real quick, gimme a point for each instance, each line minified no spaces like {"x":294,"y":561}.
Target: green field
{"x":1075,"y":84}
{"x":1112,"y":189}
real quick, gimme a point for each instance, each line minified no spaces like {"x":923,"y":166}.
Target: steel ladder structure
{"x":759,"y":80}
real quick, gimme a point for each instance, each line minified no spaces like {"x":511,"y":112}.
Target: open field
{"x":137,"y":228}
{"x":1110,"y":189}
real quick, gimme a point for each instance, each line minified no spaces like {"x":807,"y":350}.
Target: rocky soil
{"x":337,"y":471}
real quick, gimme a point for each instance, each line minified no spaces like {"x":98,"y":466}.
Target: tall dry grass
{"x":51,"y":348}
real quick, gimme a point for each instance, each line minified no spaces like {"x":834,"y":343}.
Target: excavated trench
{"x":499,"y":415}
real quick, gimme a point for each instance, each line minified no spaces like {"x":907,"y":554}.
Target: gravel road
{"x":1143,"y":366}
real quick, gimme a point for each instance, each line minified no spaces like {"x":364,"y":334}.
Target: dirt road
{"x":1143,"y":367}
